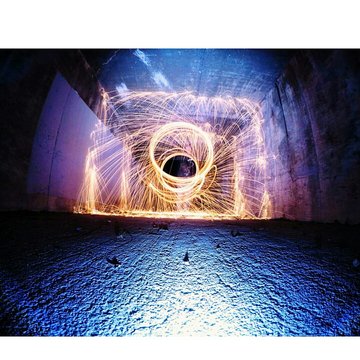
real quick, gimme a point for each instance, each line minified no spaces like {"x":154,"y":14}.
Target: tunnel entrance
{"x":180,"y":166}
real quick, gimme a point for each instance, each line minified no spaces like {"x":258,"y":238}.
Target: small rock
{"x":119,"y":232}
{"x":218,"y":246}
{"x":162,"y":226}
{"x":236,"y":233}
{"x":186,"y":258}
{"x":114,"y":261}
{"x":356,"y":262}
{"x":79,"y":228}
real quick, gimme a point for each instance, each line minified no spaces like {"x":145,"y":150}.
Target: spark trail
{"x":141,"y":131}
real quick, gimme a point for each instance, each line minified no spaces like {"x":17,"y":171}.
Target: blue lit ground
{"x":274,"y":278}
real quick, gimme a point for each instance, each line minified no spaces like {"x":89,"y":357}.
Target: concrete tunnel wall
{"x":312,"y":132}
{"x":26,"y":77}
{"x":59,"y":149}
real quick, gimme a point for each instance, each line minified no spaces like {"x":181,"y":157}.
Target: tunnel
{"x":167,"y":192}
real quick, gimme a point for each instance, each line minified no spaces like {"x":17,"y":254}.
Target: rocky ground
{"x":67,"y":274}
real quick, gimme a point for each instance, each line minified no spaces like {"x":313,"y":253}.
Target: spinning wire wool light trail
{"x":141,"y":133}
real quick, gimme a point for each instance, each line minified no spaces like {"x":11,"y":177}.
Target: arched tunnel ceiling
{"x":208,"y":72}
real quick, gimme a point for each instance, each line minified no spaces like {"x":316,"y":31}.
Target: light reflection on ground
{"x":57,"y":280}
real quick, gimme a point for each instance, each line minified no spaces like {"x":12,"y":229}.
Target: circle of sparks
{"x":182,"y":135}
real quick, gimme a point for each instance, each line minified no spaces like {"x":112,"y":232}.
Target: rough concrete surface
{"x":312,"y":132}
{"x":64,"y":274}
{"x":60,"y":147}
{"x":26,"y":76}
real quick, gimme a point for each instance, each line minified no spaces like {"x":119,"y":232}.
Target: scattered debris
{"x":160,"y":226}
{"x":114,"y":261}
{"x":236,"y":233}
{"x":186,"y":259}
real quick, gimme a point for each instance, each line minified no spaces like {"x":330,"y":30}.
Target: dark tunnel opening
{"x":180,"y":166}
